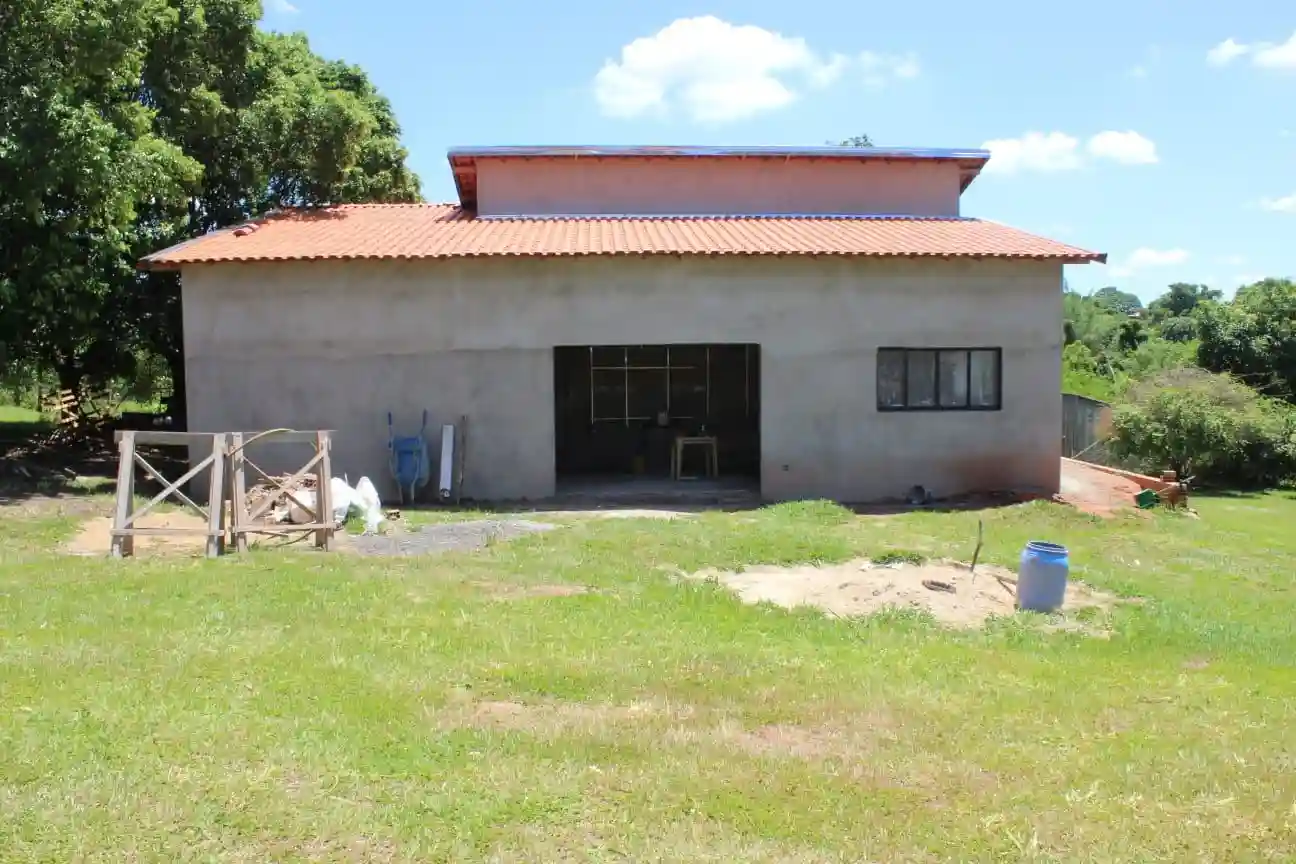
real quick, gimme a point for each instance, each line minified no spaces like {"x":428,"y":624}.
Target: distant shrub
{"x":1206,"y":425}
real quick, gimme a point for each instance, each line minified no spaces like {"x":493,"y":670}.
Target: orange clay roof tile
{"x":413,"y":231}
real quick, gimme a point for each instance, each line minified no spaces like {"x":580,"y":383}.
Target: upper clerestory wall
{"x":552,"y":186}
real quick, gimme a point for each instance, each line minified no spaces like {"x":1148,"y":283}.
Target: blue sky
{"x":1162,"y":132}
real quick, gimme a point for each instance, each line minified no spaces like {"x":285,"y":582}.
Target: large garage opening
{"x":667,"y":418}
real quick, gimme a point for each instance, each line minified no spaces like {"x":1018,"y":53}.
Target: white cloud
{"x":283,"y":7}
{"x":1144,"y":258}
{"x":1034,"y":151}
{"x":1226,"y":52}
{"x":1127,"y":148}
{"x":1276,"y":56}
{"x":714,"y":70}
{"x":1266,"y":55}
{"x":1286,"y":204}
{"x":880,"y":69}
{"x":1138,"y":72}
{"x":1058,"y":151}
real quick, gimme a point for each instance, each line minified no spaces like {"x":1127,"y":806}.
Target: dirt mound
{"x":95,"y":536}
{"x":948,"y":590}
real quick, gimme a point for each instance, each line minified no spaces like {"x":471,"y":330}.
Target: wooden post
{"x":238,"y":489}
{"x":216,"y":499}
{"x":323,"y":493}
{"x":123,"y":545}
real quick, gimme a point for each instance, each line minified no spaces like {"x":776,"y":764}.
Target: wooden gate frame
{"x":124,"y":530}
{"x":320,"y":464}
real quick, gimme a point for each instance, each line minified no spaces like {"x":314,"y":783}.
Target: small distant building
{"x":827,"y":315}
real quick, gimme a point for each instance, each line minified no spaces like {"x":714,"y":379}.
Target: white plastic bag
{"x":370,"y":505}
{"x":343,"y":499}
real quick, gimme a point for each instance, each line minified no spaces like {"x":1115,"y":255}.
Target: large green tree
{"x":272,"y":124}
{"x":79,"y":162}
{"x":130,"y":125}
{"x":1254,"y":337}
{"x":1115,"y":300}
{"x":1180,"y":300}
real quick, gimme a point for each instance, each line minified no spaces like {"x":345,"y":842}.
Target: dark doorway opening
{"x":620,"y":409}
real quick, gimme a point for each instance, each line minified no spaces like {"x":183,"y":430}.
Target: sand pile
{"x":95,"y":535}
{"x":946,"y":589}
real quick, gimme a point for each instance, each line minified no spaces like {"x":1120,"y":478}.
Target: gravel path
{"x":452,"y":536}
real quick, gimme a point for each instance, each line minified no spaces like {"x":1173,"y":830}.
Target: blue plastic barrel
{"x":1042,"y":577}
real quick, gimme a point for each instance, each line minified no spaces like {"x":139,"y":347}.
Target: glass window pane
{"x":609,"y":395}
{"x":646,"y":355}
{"x":647,"y":394}
{"x":985,"y":379}
{"x":953,"y":379}
{"x":688,"y":395}
{"x":890,"y":379}
{"x":608,"y":355}
{"x":688,"y":355}
{"x":922,"y":379}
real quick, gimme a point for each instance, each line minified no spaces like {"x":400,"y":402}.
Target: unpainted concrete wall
{"x":338,"y":344}
{"x":646,"y":186}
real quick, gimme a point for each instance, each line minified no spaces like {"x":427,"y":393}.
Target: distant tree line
{"x":1200,"y":384}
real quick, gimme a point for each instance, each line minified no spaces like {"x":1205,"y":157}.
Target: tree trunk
{"x":178,"y":407}
{"x":69,"y":377}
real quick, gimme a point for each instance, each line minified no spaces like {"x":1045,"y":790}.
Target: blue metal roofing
{"x":688,"y":150}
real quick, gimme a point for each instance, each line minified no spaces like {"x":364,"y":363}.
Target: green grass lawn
{"x":18,"y":423}
{"x":301,"y":706}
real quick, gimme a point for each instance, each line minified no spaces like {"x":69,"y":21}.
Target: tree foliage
{"x":79,"y":164}
{"x":129,"y":125}
{"x":1180,"y":301}
{"x":1254,"y":337}
{"x":1117,"y":301}
{"x":855,"y":141}
{"x":1207,"y":425}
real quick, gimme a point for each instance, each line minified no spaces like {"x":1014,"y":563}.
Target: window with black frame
{"x":939,"y":379}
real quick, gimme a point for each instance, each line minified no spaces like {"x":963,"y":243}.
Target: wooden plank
{"x":123,"y":545}
{"x":461,"y":458}
{"x":238,"y":491}
{"x":305,"y":528}
{"x":158,"y":498}
{"x":324,"y":491}
{"x":287,"y":436}
{"x":163,"y":439}
{"x":216,"y":499}
{"x":157,"y":475}
{"x":128,"y":533}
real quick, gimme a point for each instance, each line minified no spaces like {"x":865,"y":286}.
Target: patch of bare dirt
{"x":859,"y":587}
{"x":855,"y":740}
{"x":511,"y":591}
{"x":95,"y":536}
{"x":547,"y":717}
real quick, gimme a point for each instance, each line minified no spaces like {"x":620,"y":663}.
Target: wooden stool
{"x":710,"y":451}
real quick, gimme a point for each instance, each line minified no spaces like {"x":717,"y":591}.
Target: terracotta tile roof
{"x":411,"y":231}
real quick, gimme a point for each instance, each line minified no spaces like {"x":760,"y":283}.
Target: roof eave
{"x":149,"y":264}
